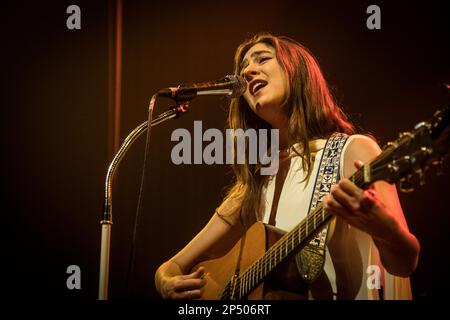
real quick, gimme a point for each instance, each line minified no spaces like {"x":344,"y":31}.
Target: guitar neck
{"x":291,"y":242}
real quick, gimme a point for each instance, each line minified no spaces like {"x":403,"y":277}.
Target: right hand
{"x":184,"y":287}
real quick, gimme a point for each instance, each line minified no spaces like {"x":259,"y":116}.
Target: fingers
{"x":190,"y":286}
{"x":358,"y":164}
{"x":345,"y":195}
{"x":186,"y":295}
{"x":347,"y":199}
{"x":191,"y":294}
{"x":369,"y":200}
{"x":191,"y":281}
{"x":196,"y":274}
{"x":331,"y":205}
{"x":350,"y":188}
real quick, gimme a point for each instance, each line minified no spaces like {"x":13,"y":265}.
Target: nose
{"x":250,"y":71}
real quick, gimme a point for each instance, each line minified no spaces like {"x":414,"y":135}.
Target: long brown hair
{"x":311,"y":110}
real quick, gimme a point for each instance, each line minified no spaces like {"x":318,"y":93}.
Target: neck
{"x":281,"y":122}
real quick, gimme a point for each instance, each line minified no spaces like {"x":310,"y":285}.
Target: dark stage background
{"x":56,"y":127}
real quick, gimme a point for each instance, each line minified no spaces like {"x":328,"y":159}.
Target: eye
{"x":263,"y":59}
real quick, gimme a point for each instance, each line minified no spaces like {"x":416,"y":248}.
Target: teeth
{"x":257,"y":85}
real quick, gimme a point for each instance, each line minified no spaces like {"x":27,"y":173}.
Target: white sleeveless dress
{"x":352,"y":259}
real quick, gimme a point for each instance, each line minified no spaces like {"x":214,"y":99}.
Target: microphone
{"x":231,"y":86}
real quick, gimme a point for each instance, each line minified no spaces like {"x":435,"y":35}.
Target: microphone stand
{"x":106,"y":222}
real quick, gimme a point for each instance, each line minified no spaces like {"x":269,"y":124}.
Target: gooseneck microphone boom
{"x":231,"y":86}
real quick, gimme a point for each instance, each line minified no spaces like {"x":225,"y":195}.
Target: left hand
{"x":363,"y":209}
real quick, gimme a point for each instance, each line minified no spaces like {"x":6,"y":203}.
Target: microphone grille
{"x":239,"y":85}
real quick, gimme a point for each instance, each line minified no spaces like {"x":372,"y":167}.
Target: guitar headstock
{"x":412,"y":153}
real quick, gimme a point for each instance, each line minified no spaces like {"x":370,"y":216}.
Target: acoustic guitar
{"x":263,"y":250}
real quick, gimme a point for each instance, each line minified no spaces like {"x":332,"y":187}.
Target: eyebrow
{"x":254,"y":54}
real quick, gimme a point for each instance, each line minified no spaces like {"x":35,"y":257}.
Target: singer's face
{"x":267,"y":89}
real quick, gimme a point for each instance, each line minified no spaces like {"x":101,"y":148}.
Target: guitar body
{"x":251,"y":247}
{"x":219,"y":271}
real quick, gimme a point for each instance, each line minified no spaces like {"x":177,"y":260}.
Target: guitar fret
{"x":306,"y":226}
{"x":259,"y":271}
{"x":252,"y":281}
{"x":314,"y":220}
{"x":270,"y":260}
{"x":246,"y":287}
{"x":265,"y":267}
{"x":292,"y":242}
{"x":304,"y":235}
{"x":240,"y":287}
{"x":247,"y":281}
{"x":244,"y":284}
{"x":253,"y":277}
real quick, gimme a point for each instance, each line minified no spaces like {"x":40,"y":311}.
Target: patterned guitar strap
{"x":311,"y":259}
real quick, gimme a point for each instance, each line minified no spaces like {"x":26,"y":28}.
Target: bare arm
{"x":172,"y":279}
{"x":376,"y":211}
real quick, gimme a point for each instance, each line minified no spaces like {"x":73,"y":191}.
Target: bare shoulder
{"x":359,"y":147}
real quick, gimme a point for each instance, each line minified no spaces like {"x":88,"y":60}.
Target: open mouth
{"x":257,"y":85}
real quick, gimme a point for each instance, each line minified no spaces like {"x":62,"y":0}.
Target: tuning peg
{"x":393,"y":168}
{"x":393,"y":144}
{"x":422,"y":124}
{"x":421,"y":174}
{"x":440,"y":166}
{"x":405,"y":134}
{"x":405,"y":184}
